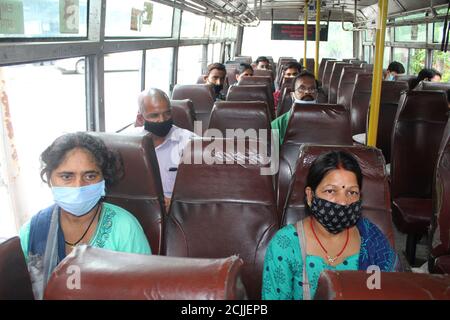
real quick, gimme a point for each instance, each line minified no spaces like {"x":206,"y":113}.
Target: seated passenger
{"x":155,"y":116}
{"x":77,"y":167}
{"x":216,"y":78}
{"x":244,"y":70}
{"x":291,"y":70}
{"x":304,"y":90}
{"x":262,"y":63}
{"x":427,"y":75}
{"x":333,"y":235}
{"x":393,"y":70}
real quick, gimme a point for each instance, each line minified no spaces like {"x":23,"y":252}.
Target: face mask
{"x":161,"y":129}
{"x":304,"y":101}
{"x":218,"y":88}
{"x":79,"y":200}
{"x":335,"y":217}
{"x":390,"y":78}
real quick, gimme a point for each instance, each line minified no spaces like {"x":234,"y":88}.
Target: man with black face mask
{"x":154,"y":116}
{"x":216,"y":78}
{"x":304,"y":90}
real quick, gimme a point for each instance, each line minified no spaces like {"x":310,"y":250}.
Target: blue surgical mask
{"x":391,"y":77}
{"x":78,"y":201}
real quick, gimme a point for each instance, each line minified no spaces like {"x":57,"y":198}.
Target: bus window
{"x":122,"y":87}
{"x":44,"y":103}
{"x":416,"y":61}
{"x":158,"y":68}
{"x":189,"y":64}
{"x":401,"y":55}
{"x":137,"y":18}
{"x":387,"y":57}
{"x":193,"y":26}
{"x":415,"y":33}
{"x":441,"y":62}
{"x":217,"y":52}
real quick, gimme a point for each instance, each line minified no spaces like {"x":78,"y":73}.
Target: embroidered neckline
{"x":105,"y":227}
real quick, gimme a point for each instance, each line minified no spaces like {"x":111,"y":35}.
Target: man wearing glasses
{"x":304,"y":91}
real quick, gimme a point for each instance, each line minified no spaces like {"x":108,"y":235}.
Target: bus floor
{"x":420,"y":264}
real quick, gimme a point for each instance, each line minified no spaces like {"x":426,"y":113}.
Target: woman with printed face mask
{"x":333,"y":236}
{"x":78,"y":167}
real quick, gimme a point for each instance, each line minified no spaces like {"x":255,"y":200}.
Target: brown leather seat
{"x":140,"y":190}
{"x":322,"y":67}
{"x":390,"y":96}
{"x":333,"y":86}
{"x":310,"y":123}
{"x":352,"y":285}
{"x":15,"y":283}
{"x":439,"y":260}
{"x":416,"y":136}
{"x":327,"y":75}
{"x":375,"y":188}
{"x":183,"y":113}
{"x":285,"y":101}
{"x":360,"y":102}
{"x":252,"y":93}
{"x":240,"y":115}
{"x":346,"y":85}
{"x":309,"y":65}
{"x":231,"y":73}
{"x":367,"y":66}
{"x":220,"y":210}
{"x":202,"y":97}
{"x":408,"y":78}
{"x":109,"y":275}
{"x":430,"y":86}
{"x":264,"y":73}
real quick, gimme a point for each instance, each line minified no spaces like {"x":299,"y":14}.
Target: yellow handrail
{"x":377,"y":73}
{"x":316,"y":62}
{"x":305,"y":31}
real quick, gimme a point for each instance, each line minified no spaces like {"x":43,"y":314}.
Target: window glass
{"x":217,"y":52}
{"x":189,"y":64}
{"x":44,"y":103}
{"x":210,"y":54}
{"x":415,"y":33}
{"x":441,"y":62}
{"x":122,"y":87}
{"x":257,"y":41}
{"x":138,"y":18}
{"x":369,"y":35}
{"x":158,"y":68}
{"x":386,"y":59}
{"x":192,"y":25}
{"x":417,"y":61}
{"x":215,"y":29}
{"x":43,"y":18}
{"x":401,"y":55}
{"x":367,"y":54}
{"x":437,"y":28}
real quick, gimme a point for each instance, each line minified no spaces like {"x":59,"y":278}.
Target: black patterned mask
{"x":333,"y":216}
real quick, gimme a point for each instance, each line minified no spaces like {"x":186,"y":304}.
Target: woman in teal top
{"x":333,"y":236}
{"x":78,"y":167}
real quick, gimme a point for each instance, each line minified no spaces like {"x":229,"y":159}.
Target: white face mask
{"x":304,"y":101}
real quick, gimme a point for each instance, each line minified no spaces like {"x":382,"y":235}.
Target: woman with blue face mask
{"x":333,"y":236}
{"x":78,"y":167}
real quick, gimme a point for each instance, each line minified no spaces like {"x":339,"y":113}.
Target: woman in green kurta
{"x":78,"y":167}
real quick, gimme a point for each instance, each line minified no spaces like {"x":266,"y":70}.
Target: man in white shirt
{"x":154,"y":115}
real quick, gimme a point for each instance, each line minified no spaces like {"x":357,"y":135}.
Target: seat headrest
{"x":240,"y":115}
{"x":110,"y":275}
{"x":423,"y":106}
{"x":429,"y":85}
{"x":392,"y":90}
{"x":349,"y":74}
{"x":352,"y":285}
{"x":255,"y":80}
{"x":202,"y":95}
{"x":319,"y":123}
{"x":238,"y":162}
{"x":363,"y":82}
{"x":248,"y":93}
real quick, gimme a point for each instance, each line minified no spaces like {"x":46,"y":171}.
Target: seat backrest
{"x":240,"y":115}
{"x":440,"y":222}
{"x":15,"y":282}
{"x":360,"y":102}
{"x":183,"y":113}
{"x":418,"y":130}
{"x":430,"y":86}
{"x":367,"y":66}
{"x":310,"y":123}
{"x":285,"y":101}
{"x":309,"y":64}
{"x":322,"y":66}
{"x":327,"y":75}
{"x":223,"y":208}
{"x":109,"y":275}
{"x":140,"y":189}
{"x":352,"y":285}
{"x":333,"y":86}
{"x":376,"y":204}
{"x":409,"y":78}
{"x":264,"y":73}
{"x":252,"y":93}
{"x":346,"y":85}
{"x":231,"y":73}
{"x":257,"y":80}
{"x":390,"y":96}
{"x":202,"y":97}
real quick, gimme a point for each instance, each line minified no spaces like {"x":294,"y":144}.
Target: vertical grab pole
{"x":377,"y":73}
{"x":305,"y":35}
{"x":316,"y":62}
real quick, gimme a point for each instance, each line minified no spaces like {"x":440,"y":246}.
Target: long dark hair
{"x":108,"y":161}
{"x":330,"y":161}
